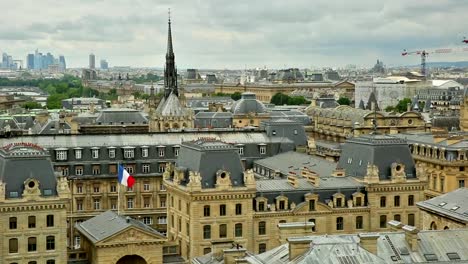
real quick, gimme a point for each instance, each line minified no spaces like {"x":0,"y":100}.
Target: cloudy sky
{"x":235,"y":33}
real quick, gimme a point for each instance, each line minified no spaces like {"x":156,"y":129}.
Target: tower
{"x":92,"y":61}
{"x":464,"y":112}
{"x":170,"y":70}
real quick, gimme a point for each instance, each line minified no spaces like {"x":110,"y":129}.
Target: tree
{"x":136,"y":94}
{"x":389,"y":108}
{"x":279,"y":99}
{"x":55,"y":101}
{"x":344,"y":101}
{"x":145,"y":97}
{"x":31,"y":105}
{"x":402,"y":105}
{"x":236,"y":96}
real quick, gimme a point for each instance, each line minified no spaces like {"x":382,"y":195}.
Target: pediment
{"x":133,"y":235}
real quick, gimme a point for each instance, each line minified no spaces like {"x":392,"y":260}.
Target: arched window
{"x":238,"y":230}
{"x":262,"y":228}
{"x":207,"y":232}
{"x":433,"y":226}
{"x":339,"y":223}
{"x":359,"y":222}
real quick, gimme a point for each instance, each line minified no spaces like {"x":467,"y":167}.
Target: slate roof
{"x":17,"y":164}
{"x":453,"y":205}
{"x":208,"y":156}
{"x":380,"y":150}
{"x":171,"y":107}
{"x":108,"y":224}
{"x":248,"y":104}
{"x":117,"y":116}
{"x":294,"y":162}
{"x":429,"y":139}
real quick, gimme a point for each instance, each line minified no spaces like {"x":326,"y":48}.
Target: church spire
{"x":170,"y":71}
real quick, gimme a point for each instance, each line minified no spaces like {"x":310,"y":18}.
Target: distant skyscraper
{"x":37,"y":60}
{"x":4,"y":64}
{"x":104,"y":65}
{"x":62,"y":63}
{"x":30,"y":61}
{"x":92,"y":61}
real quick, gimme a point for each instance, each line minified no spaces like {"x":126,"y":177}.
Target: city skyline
{"x":238,"y":35}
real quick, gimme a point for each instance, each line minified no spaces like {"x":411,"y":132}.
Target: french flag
{"x":125,"y":178}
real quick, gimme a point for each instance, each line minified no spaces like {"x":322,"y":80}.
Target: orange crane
{"x":425,"y":53}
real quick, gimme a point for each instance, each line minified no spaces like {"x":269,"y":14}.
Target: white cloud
{"x":235,"y":34}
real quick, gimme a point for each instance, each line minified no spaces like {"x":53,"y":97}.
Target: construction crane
{"x":425,"y":53}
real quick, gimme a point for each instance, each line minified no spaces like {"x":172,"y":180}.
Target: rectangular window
{"x":112,"y":153}
{"x":129,"y":153}
{"x":383,"y":221}
{"x":112,"y":169}
{"x":130,"y":203}
{"x":282,"y":205}
{"x":359,"y":222}
{"x":31,"y":221}
{"x":262,"y":228}
{"x":113,"y":188}
{"x":261,"y":206}
{"x":383,"y":201}
{"x":79,"y":170}
{"x":339,"y":223}
{"x":146,"y":202}
{"x":206,"y":232}
{"x":61,"y":155}
{"x":358,"y":201}
{"x":78,"y":153}
{"x":461,"y":183}
{"x":13,"y":223}
{"x":50,"y":220}
{"x":161,"y":152}
{"x":176,"y":152}
{"x":50,"y":243}
{"x":222,"y":210}
{"x":411,"y":219}
{"x":442,"y":185}
{"x":238,"y":209}
{"x":96,"y":188}
{"x":311,"y":205}
{"x":162,"y":202}
{"x":146,"y":186}
{"x":32,"y":244}
{"x":77,"y":244}
{"x":113,"y":204}
{"x":262,"y":150}
{"x":162,"y":220}
{"x":97,"y":204}
{"x":396,"y":201}
{"x":96,"y":169}
{"x":13,"y":245}
{"x":241,"y":150}
{"x":146,"y":168}
{"x":161,"y":167}
{"x":238,"y":230}
{"x":148,"y":220}
{"x":206,"y":210}
{"x":261,"y":248}
{"x":410,"y":200}
{"x":79,"y":205}
{"x":144,"y":152}
{"x":339,"y":202}
{"x":95,"y":153}
{"x":222,"y":231}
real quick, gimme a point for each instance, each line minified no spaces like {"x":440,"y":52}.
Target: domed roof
{"x":248,"y":104}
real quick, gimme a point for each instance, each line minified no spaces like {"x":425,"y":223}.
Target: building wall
{"x":432,"y":221}
{"x":22,"y":209}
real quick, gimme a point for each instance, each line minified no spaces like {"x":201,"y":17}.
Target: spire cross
{"x":169,"y":14}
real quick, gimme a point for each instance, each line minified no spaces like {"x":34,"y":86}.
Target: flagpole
{"x":118,"y":190}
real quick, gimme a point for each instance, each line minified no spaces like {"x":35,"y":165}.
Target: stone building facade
{"x":343,"y":122}
{"x":33,"y":207}
{"x":220,"y":204}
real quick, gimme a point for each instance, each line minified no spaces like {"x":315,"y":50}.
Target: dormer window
{"x":61,"y":154}
{"x":176,"y":151}
{"x":161,"y":151}
{"x":144,"y":152}
{"x":129,"y":153}
{"x":112,"y":153}
{"x":241,"y":150}
{"x":262,"y":149}
{"x":78,"y":153}
{"x":95,"y":153}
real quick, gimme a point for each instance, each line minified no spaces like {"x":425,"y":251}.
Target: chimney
{"x":293,"y":180}
{"x":311,"y":176}
{"x":339,"y":172}
{"x":298,"y":246}
{"x":411,"y":236}
{"x":233,"y":254}
{"x":408,"y":107}
{"x":368,"y":241}
{"x":395,"y":225}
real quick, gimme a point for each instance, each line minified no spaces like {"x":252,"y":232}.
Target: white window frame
{"x":241,"y":150}
{"x":77,"y":242}
{"x":61,"y":155}
{"x":95,"y":153}
{"x":146,"y":186}
{"x":146,"y":168}
{"x":129,"y":153}
{"x":161,"y":167}
{"x":262,"y":149}
{"x":161,"y":151}
{"x":162,"y":220}
{"x":97,"y":204}
{"x":79,"y":170}
{"x":147,"y":220}
{"x":130,"y":203}
{"x":144,"y":152}
{"x":78,"y":154}
{"x":112,"y":153}
{"x":176,"y":151}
